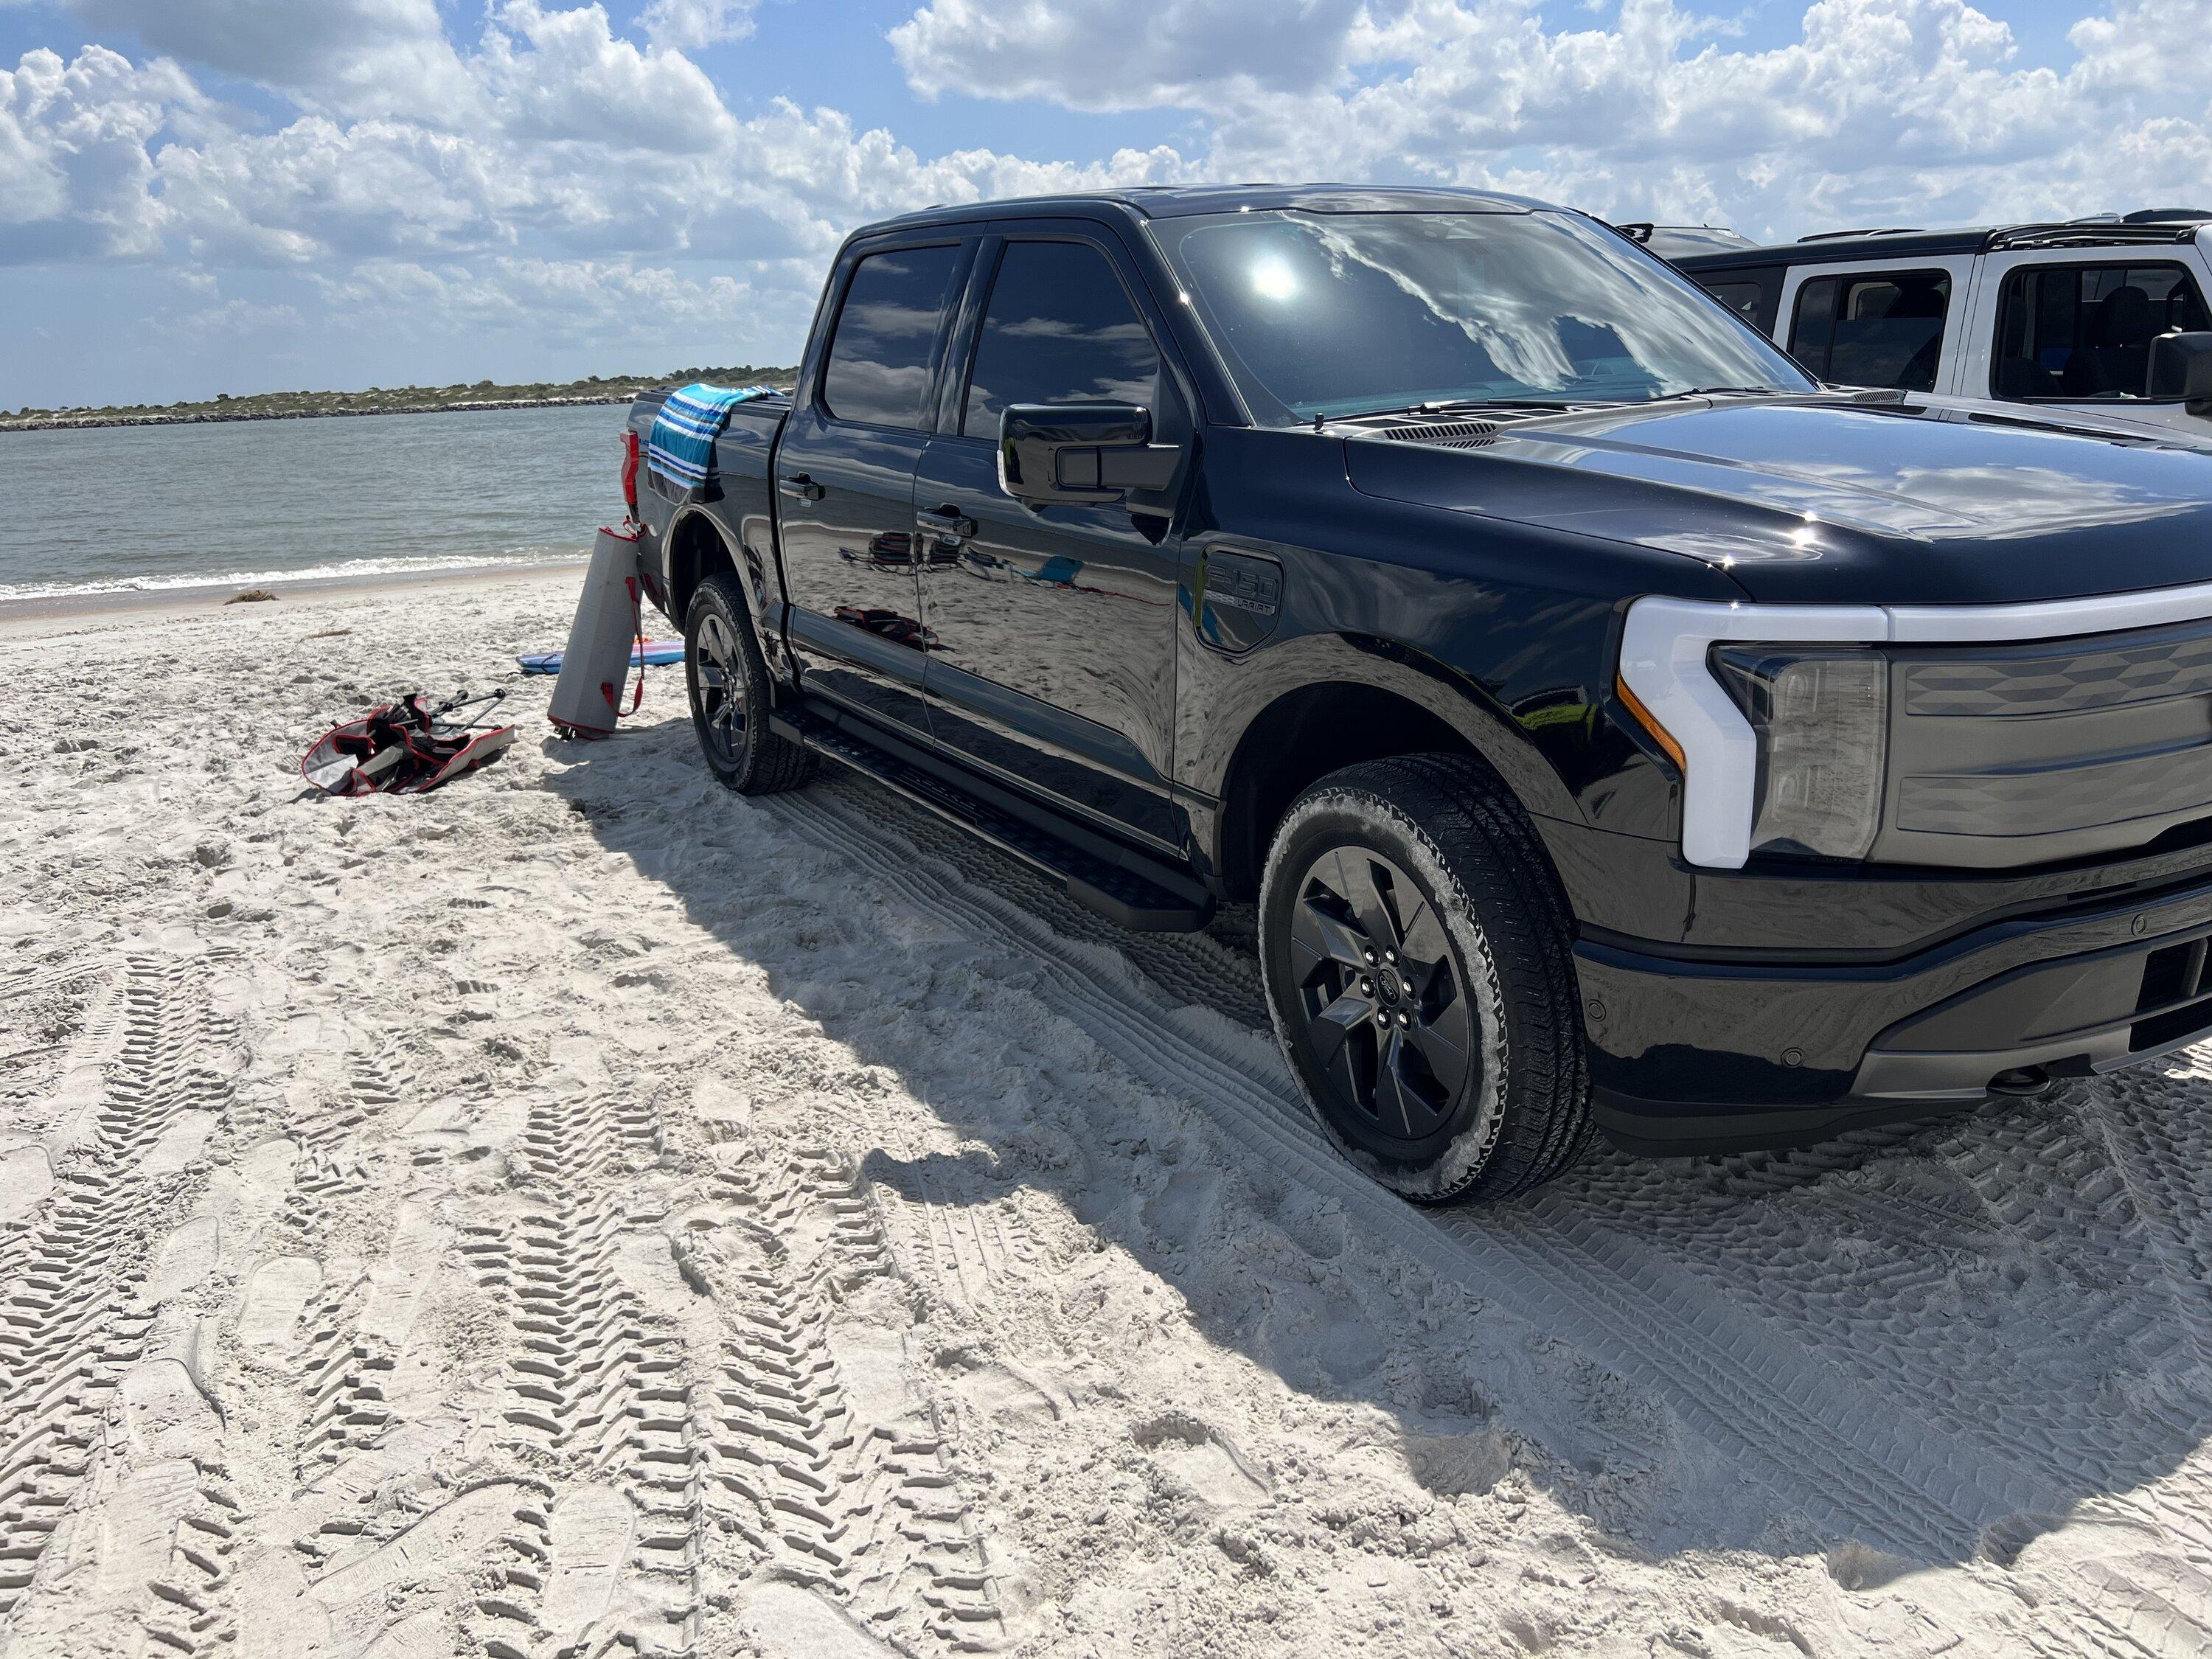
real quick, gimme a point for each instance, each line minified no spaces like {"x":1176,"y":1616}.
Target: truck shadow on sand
{"x":1916,"y":1345}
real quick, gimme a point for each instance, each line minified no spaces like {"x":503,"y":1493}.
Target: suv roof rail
{"x":2103,"y":233}
{"x":2165,"y":215}
{"x":1845,"y":235}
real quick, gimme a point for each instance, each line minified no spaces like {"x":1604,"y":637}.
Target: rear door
{"x":2072,"y":330}
{"x":1052,"y":627}
{"x":863,"y":411}
{"x":1884,"y":322}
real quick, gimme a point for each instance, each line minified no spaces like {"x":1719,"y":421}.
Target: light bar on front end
{"x":1665,"y":650}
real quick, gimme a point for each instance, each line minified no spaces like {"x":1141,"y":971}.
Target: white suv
{"x":2106,"y":316}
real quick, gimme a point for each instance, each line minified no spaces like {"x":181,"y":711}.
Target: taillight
{"x":630,"y":471}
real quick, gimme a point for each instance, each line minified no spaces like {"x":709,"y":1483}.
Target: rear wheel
{"x":1414,"y":947}
{"x":727,"y":679}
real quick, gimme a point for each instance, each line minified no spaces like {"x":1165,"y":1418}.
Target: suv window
{"x":1882,"y":329}
{"x":2085,"y":331}
{"x":886,"y":331}
{"x":1741,"y":298}
{"x":1059,"y":328}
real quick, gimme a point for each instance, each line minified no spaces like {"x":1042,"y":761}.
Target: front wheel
{"x":1415,"y":951}
{"x":727,"y":679}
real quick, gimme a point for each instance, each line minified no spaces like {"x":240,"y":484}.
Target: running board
{"x":1145,"y":900}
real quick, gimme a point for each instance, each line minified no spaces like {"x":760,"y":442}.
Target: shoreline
{"x":87,"y":423}
{"x":611,"y":393}
{"x":45,"y":611}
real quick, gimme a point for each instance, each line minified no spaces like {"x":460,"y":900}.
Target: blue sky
{"x":237,"y":195}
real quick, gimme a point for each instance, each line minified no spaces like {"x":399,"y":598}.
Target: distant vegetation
{"x":392,"y":400}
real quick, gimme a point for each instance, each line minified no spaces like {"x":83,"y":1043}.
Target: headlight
{"x":1821,"y":718}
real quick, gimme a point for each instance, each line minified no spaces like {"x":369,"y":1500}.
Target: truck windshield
{"x":1342,"y":313}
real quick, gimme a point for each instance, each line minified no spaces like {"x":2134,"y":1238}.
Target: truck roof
{"x":2137,"y":230}
{"x":1182,"y":201}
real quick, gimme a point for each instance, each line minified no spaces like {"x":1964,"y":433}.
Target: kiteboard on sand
{"x":652,"y":654}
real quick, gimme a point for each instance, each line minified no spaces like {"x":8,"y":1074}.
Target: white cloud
{"x":1106,"y":55}
{"x":232,"y":319}
{"x":2143,"y":48}
{"x":563,"y":76}
{"x":340,"y":57}
{"x":548,"y":170}
{"x":75,"y":173}
{"x":687,"y":24}
{"x":1879,"y":109}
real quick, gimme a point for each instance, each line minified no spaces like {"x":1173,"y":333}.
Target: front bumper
{"x":1709,"y":1051}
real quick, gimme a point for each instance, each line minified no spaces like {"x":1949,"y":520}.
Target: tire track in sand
{"x":596,"y":1392}
{"x":867,"y":1513}
{"x":1859,"y":1464}
{"x":72,"y":1321}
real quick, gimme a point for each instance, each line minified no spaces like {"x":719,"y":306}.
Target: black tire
{"x":1442,"y":875}
{"x":727,"y":680}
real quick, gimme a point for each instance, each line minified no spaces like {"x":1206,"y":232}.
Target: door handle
{"x":948,"y":521}
{"x":800,"y":487}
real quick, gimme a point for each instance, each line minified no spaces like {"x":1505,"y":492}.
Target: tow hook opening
{"x":2021,"y":1081}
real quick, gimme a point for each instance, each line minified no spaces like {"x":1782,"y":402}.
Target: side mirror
{"x":1080,"y":452}
{"x":2181,"y":367}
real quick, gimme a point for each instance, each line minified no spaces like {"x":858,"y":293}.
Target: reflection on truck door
{"x":1056,"y":624}
{"x":845,"y":481}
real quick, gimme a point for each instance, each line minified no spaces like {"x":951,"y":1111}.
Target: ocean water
{"x":116,"y":508}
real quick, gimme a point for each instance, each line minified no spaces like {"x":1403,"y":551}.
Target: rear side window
{"x":2084,"y":332}
{"x":886,"y":333}
{"x":1741,"y":298}
{"x":1059,"y":328}
{"x":1883,"y":329}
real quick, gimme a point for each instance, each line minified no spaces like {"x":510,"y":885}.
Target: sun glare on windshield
{"x":1272,"y":279}
{"x":1342,"y":313}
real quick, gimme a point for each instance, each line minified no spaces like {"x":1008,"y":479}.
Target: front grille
{"x":2045,"y":749}
{"x":2175,"y":1001}
{"x":2072,"y":794}
{"x":2071,"y":675}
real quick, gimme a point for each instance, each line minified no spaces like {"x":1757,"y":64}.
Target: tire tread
{"x":1480,"y":836}
{"x":772,"y":763}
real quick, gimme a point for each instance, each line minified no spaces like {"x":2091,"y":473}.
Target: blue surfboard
{"x":654,"y":653}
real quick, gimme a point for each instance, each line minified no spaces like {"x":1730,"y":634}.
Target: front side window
{"x":2084,"y":332}
{"x":1884,"y":329}
{"x":1059,"y":329}
{"x":886,"y":334}
{"x":1330,"y":314}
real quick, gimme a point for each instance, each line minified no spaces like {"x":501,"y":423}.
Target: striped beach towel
{"x":681,"y":447}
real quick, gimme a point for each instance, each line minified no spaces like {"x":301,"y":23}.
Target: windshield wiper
{"x":1448,"y":405}
{"x":1718,"y":391}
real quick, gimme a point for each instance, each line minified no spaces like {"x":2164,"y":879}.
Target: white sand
{"x":583,"y":1211}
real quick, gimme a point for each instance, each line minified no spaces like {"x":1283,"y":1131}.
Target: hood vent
{"x":1469,"y":431}
{"x":1453,"y":434}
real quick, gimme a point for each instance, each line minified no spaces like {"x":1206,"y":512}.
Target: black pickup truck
{"x":1617,"y":729}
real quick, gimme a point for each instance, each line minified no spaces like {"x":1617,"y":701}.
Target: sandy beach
{"x":583,"y":1211}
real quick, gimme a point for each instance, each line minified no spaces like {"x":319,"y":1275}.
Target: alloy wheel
{"x":1386,"y":1020}
{"x":719,"y":686}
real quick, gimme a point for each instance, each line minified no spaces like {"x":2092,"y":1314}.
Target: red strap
{"x":637,"y":633}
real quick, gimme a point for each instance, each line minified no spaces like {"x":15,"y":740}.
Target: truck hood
{"x":1841,"y":499}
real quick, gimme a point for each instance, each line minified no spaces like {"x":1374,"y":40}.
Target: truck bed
{"x":740,"y":497}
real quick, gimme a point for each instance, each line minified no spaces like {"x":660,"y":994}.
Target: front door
{"x":1053,"y":628}
{"x":845,"y":473}
{"x":2073,"y":330}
